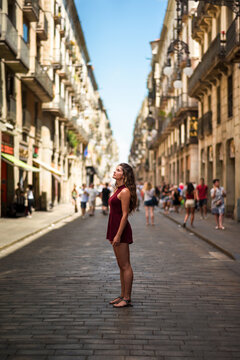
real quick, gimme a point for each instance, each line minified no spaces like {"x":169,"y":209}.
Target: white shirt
{"x":30,"y":195}
{"x":93,"y":193}
{"x":84,"y":197}
{"x":148,"y":194}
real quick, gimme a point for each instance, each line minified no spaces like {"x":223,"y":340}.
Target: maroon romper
{"x":115,"y":217}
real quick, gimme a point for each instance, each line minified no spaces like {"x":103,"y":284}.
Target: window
{"x":218,"y":104}
{"x":24,"y":106}
{"x":26,"y":33}
{"x":230,"y":96}
{"x":209,"y":102}
{"x":36,"y":114}
{"x":218,"y":24}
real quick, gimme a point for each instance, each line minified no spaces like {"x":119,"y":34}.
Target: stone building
{"x":197,"y":125}
{"x":49,"y":102}
{"x":215,"y":83}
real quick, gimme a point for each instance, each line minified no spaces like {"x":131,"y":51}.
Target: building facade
{"x":50,"y":108}
{"x":196,"y":125}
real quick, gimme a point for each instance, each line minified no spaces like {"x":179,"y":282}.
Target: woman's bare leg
{"x":152,"y":214}
{"x":147,"y":215}
{"x":187,"y":215}
{"x":217,"y":219}
{"x":123,"y":259}
{"x":192,"y":215}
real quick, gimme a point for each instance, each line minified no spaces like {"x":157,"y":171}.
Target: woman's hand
{"x":116,"y":240}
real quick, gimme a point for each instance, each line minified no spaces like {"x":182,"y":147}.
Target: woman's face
{"x":118,"y":173}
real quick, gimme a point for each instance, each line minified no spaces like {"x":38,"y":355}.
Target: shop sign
{"x":23,"y":152}
{"x":7,"y":144}
{"x":193,"y":127}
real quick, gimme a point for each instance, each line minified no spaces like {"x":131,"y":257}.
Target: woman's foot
{"x":216,"y":227}
{"x":123,"y":303}
{"x":222,"y":227}
{"x":116,"y":301}
{"x":184,"y":225}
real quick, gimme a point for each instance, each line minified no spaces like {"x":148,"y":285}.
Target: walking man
{"x":83,"y":193}
{"x":93,"y":193}
{"x":105,"y":197}
{"x":218,"y":207}
{"x":202,"y":194}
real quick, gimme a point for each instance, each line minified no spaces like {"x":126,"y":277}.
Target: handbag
{"x":155,"y":201}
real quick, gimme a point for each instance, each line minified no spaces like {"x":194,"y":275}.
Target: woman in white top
{"x":30,"y":198}
{"x":148,"y":202}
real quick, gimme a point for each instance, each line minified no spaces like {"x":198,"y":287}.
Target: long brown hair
{"x":129,"y":182}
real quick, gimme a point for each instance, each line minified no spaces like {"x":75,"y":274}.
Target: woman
{"x":30,"y":199}
{"x":74,"y":197}
{"x":218,"y":207}
{"x":190,"y":203}
{"x":148,"y":202}
{"x":166,"y":198}
{"x":176,"y":198}
{"x":119,"y":232}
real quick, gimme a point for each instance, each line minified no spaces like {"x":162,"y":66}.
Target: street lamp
{"x":179,"y":47}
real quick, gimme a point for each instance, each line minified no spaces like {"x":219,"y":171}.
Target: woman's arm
{"x":124,"y":196}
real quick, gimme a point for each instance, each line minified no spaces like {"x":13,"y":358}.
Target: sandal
{"x":116,"y":301}
{"x":127,"y":304}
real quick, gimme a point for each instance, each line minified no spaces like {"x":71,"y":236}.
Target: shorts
{"x":83,"y":204}
{"x":148,"y":203}
{"x":202,"y":202}
{"x":190,"y":203}
{"x":218,"y":210}
{"x":92,"y":203}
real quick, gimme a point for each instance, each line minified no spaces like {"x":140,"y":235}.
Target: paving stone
{"x":55,"y":293}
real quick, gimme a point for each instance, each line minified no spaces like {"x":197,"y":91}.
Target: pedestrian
{"x":202,"y":194}
{"x":176,"y":198}
{"x":74,"y":197}
{"x":83,"y":193}
{"x":149,"y":193}
{"x":30,"y":200}
{"x":119,"y":232}
{"x":218,"y":208}
{"x":139,"y":197}
{"x":93,"y":193}
{"x":105,"y":197}
{"x":190,"y":203}
{"x":166,"y":198}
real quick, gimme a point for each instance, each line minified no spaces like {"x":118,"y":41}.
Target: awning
{"x":12,"y":160}
{"x":48,"y":167}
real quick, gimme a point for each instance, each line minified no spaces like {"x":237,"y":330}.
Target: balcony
{"x":62,"y":29}
{"x":21,"y":63}
{"x":42,"y":27}
{"x":209,"y":68}
{"x":205,"y":125}
{"x":11,"y":110}
{"x":38,"y":82}
{"x":26,"y":120}
{"x":63,"y":72}
{"x":55,"y":107}
{"x":185,"y":103}
{"x":233,"y":41}
{"x":31,"y":10}
{"x":57,"y":14}
{"x":8,"y":39}
{"x":57,"y":59}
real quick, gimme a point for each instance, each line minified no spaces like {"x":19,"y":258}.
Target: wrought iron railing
{"x":34,"y":4}
{"x":24,"y":52}
{"x":233,"y":36}
{"x":8,"y":33}
{"x":205,"y":125}
{"x":43,"y":79}
{"x":11,"y":109}
{"x":216,"y":50}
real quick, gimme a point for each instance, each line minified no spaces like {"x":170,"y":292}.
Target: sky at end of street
{"x":117,"y":34}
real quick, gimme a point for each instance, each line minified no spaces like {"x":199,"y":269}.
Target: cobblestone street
{"x":55,"y":293}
